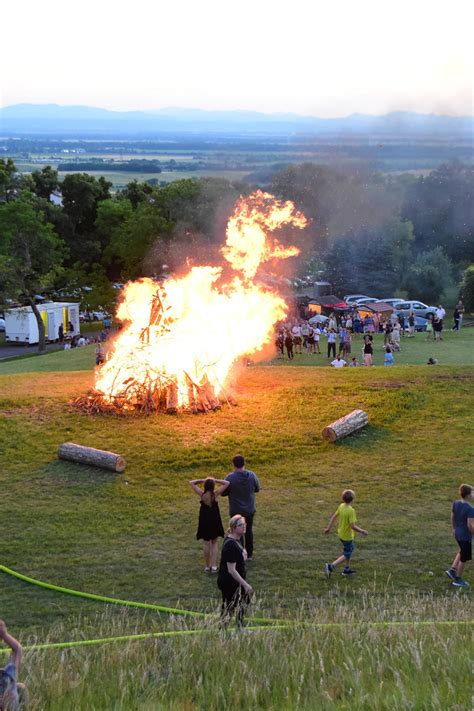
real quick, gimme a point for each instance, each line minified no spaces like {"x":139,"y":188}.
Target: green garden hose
{"x":265,"y":624}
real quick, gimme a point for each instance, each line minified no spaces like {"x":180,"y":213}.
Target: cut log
{"x":354,"y":421}
{"x":94,"y":457}
{"x":172,"y":399}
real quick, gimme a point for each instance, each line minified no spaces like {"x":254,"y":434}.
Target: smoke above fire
{"x":181,"y":337}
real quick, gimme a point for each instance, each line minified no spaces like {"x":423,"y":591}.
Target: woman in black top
{"x":210,"y":525}
{"x":232,"y":572}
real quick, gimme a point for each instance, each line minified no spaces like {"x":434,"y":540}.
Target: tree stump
{"x":94,"y":457}
{"x":354,"y":421}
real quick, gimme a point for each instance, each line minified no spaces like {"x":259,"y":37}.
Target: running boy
{"x":9,"y":700}
{"x":462,"y":522}
{"x":345,"y":530}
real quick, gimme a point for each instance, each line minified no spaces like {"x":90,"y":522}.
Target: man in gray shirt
{"x":241,"y":492}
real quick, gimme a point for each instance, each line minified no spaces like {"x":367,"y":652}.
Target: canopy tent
{"x":326,"y":305}
{"x":380,"y":308}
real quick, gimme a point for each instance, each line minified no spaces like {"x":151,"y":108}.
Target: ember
{"x":180,"y":338}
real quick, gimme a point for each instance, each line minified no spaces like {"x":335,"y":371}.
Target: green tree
{"x":82,"y":194}
{"x":371,"y":260}
{"x":112,"y":216}
{"x":31,"y":254}
{"x":441,"y":207}
{"x":429,"y":275}
{"x":145,"y":226}
{"x":467,"y":288}
{"x":135,"y":193}
{"x":8,"y":180}
{"x":45,"y":181}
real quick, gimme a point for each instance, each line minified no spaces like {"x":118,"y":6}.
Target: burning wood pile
{"x":181,"y":338}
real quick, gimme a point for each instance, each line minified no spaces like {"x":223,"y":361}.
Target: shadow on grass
{"x":366,"y":438}
{"x":75,"y":473}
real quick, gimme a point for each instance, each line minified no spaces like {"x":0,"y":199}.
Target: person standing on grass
{"x":411,"y":325}
{"x":289,"y":345}
{"x":460,"y":308}
{"x":368,"y":350}
{"x":456,"y":316}
{"x":297,"y":338}
{"x":429,"y":328}
{"x":10,"y":690}
{"x":210,"y":524}
{"x":441,"y":313}
{"x":437,"y":329}
{"x":462,"y":524}
{"x":345,"y":530}
{"x":316,"y":337}
{"x":231,"y":579}
{"x":243,"y":485}
{"x":331,"y":343}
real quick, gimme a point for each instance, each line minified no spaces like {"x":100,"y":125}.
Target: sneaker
{"x":250,"y":557}
{"x":214,"y":570}
{"x":459,"y":583}
{"x":327,"y":569}
{"x":451,"y":573}
{"x":207,"y":570}
{"x":348,"y":572}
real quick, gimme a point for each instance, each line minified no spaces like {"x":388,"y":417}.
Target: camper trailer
{"x":21,"y":326}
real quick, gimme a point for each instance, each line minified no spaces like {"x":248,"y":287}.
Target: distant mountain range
{"x":52,"y":119}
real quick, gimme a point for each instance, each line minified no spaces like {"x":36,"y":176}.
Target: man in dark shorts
{"x":244,"y":485}
{"x":462,"y":521}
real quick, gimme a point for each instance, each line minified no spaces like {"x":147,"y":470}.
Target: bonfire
{"x":181,"y":337}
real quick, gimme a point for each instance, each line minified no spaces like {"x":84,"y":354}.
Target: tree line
{"x":368,"y":231}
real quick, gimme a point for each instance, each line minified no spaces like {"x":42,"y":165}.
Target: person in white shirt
{"x":296,"y":333}
{"x":316,"y":337}
{"x":440,"y":312}
{"x":338,"y":363}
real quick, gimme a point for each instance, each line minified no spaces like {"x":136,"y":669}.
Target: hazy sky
{"x":321,"y":58}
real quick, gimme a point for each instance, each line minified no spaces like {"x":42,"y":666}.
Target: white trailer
{"x":21,"y":325}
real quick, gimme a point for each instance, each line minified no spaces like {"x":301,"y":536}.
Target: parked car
{"x":350,"y":298}
{"x":391,"y":301}
{"x":364,"y":300}
{"x":2,"y":324}
{"x":420,"y":322}
{"x":418,"y":308}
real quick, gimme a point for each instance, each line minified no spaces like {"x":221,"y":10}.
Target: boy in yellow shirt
{"x":345,"y":530}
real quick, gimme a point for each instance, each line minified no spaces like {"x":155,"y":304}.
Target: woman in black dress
{"x":210,"y":523}
{"x":232,"y":572}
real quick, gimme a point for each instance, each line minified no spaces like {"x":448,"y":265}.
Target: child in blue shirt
{"x":388,"y":357}
{"x":462,"y":523}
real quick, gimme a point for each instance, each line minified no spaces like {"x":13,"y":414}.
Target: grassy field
{"x":133,"y":536}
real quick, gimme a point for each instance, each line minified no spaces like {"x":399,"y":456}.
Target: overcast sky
{"x":328,"y":58}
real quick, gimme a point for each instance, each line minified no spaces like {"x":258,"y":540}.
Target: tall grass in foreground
{"x":362,"y":664}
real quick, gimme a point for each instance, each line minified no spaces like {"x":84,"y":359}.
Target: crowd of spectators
{"x":341,"y":329}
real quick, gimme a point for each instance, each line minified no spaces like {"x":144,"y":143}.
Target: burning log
{"x":354,"y":421}
{"x":94,"y":457}
{"x":172,"y":399}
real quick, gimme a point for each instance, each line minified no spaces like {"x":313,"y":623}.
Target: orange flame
{"x":191,"y":329}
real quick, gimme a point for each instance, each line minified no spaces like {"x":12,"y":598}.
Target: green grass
{"x":133,"y":535}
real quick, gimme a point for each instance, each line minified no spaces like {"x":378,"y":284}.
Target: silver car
{"x":418,"y":308}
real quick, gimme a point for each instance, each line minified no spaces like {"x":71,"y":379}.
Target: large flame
{"x":187,"y":332}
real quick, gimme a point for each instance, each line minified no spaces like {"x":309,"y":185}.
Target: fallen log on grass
{"x":354,"y":421}
{"x":94,"y":457}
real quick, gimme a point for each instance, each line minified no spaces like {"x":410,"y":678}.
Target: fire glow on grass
{"x":181,"y":337}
